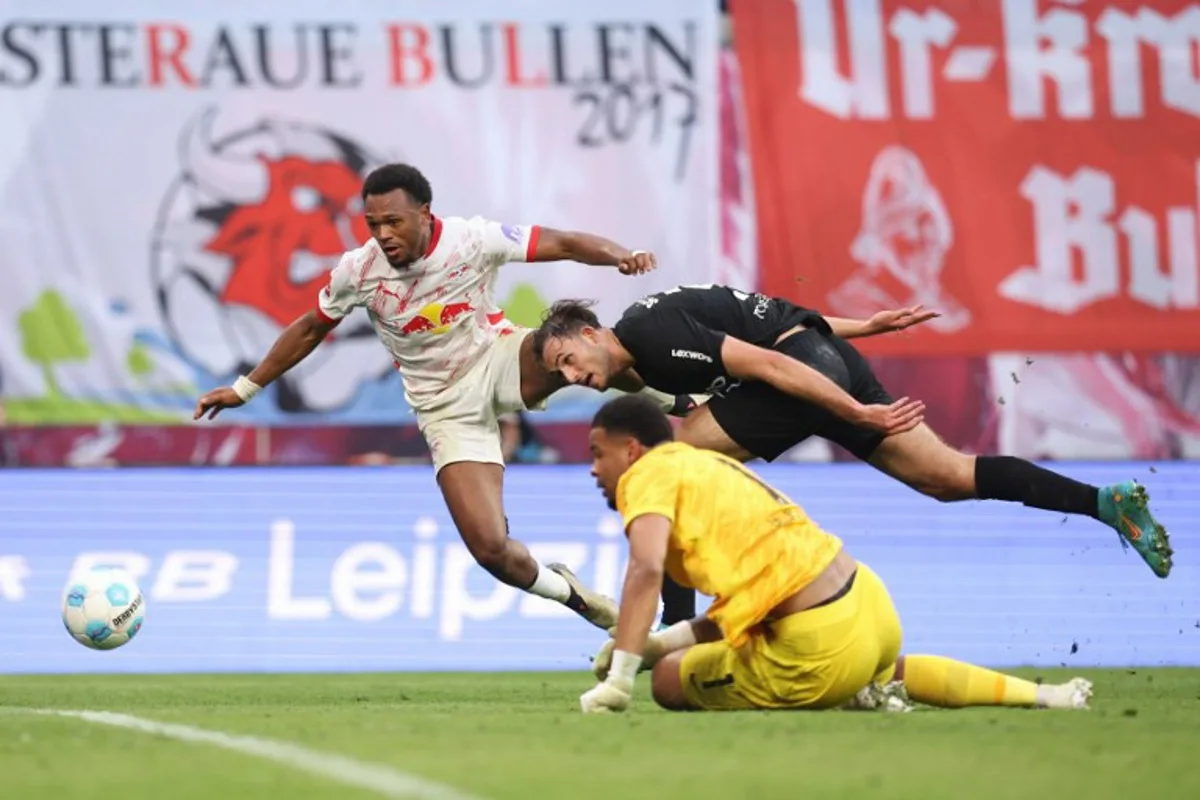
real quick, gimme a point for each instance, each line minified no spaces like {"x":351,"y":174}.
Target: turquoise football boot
{"x":1125,"y":508}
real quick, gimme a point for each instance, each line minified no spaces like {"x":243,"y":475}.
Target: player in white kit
{"x":427,"y":284}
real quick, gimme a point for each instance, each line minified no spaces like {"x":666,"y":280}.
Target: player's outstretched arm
{"x":293,"y":346}
{"x":587,"y":248}
{"x":680,"y":636}
{"x":748,"y":362}
{"x":881,"y":322}
{"x":628,"y":381}
{"x":648,"y":537}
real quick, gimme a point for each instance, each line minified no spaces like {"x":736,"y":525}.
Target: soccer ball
{"x":103,"y":608}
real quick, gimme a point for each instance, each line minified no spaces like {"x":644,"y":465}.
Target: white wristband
{"x":245,"y":388}
{"x":676,"y":637}
{"x":624,"y":667}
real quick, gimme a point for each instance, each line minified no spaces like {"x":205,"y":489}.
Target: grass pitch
{"x":522,"y":736}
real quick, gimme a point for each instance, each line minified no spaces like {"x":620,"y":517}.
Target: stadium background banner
{"x":173,"y":188}
{"x":357,"y":569}
{"x":1029,"y":167}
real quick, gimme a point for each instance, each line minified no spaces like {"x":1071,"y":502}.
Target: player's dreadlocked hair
{"x":391,"y":177}
{"x":637,"y":416}
{"x":565,"y":318}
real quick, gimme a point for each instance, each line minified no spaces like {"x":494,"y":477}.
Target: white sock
{"x":551,"y":585}
{"x":1052,"y":695}
{"x":1062,"y":695}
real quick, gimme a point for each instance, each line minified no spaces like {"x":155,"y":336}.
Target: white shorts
{"x":465,"y":423}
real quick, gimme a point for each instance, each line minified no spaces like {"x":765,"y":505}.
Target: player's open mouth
{"x":393,"y":251}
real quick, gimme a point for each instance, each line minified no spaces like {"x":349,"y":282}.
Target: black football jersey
{"x":676,"y":336}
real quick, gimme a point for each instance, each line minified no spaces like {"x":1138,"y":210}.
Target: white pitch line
{"x":373,"y":777}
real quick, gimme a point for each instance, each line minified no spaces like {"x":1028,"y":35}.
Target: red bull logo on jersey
{"x":436,"y":318}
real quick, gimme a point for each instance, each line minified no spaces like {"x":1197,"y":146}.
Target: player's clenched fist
{"x":606,"y":697}
{"x":637,"y":263}
{"x":616,"y":690}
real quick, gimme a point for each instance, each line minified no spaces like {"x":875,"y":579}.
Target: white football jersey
{"x":438,"y":316}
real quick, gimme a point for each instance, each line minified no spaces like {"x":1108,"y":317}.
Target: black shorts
{"x":768,"y":422}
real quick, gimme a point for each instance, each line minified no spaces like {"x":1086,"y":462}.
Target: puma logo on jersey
{"x":691,"y":355}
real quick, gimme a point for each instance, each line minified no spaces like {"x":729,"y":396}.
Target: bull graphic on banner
{"x":245,"y":239}
{"x":902,"y":245}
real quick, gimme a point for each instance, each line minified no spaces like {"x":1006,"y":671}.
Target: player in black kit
{"x":779,"y":373}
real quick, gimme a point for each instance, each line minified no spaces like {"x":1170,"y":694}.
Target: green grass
{"x":522,"y":736}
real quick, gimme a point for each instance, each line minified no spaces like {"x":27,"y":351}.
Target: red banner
{"x":1028,"y":167}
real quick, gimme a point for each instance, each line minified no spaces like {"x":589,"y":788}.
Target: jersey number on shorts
{"x":716,"y":683}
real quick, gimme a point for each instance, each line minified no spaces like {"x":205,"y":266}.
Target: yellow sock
{"x":938,"y":681}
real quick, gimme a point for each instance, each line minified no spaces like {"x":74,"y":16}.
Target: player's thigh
{"x":885,"y":624}
{"x":822,"y":657}
{"x":767,"y":422}
{"x":535,"y":381}
{"x":701,"y":429}
{"x":473,"y":492}
{"x":921,"y":459}
{"x":818,"y":659}
{"x":864,"y":386}
{"x":515,"y":379}
{"x":709,"y":677}
{"x":470,"y":472}
{"x":756,"y":420}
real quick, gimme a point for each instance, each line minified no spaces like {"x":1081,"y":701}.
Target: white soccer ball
{"x":103,"y":608}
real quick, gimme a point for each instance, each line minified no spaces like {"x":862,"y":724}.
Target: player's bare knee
{"x":958,"y":482}
{"x":950,"y":479}
{"x":946,"y":492}
{"x":666,"y":686}
{"x":490,"y":551}
{"x":928,"y":464}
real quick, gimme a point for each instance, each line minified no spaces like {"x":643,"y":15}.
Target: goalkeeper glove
{"x":677,"y":637}
{"x":615,"y":692}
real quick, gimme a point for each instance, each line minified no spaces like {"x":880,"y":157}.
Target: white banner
{"x":173,"y":187}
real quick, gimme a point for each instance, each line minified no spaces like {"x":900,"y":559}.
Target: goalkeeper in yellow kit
{"x":796,"y":622}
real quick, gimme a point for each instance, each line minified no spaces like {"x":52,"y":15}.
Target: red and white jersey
{"x":439,"y":315}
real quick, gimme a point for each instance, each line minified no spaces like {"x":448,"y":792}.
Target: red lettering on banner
{"x":1029,"y":167}
{"x":409,"y":43}
{"x":162,"y":54}
{"x":512,"y":60}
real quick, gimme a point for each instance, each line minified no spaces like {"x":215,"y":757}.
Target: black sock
{"x":678,"y":603}
{"x":575,"y":603}
{"x":1018,"y":481}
